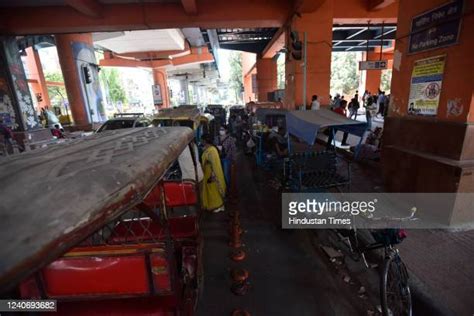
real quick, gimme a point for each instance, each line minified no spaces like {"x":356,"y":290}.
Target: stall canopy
{"x":306,"y":124}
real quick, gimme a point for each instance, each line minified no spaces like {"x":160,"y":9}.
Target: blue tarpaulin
{"x":306,"y":124}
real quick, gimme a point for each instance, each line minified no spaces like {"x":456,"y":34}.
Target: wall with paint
{"x":84,"y":57}
{"x":15,"y":95}
{"x":7,"y":110}
{"x":456,"y":98}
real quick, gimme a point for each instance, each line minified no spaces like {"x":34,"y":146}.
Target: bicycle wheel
{"x":395,"y":294}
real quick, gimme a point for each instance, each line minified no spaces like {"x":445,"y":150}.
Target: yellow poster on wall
{"x":425,"y":87}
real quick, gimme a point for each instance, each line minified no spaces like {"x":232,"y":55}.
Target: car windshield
{"x":116,"y":124}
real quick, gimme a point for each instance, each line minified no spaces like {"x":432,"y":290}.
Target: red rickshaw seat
{"x":176,"y":194}
{"x":146,"y":229}
{"x":105,"y":271}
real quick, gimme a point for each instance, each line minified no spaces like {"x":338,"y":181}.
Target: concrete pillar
{"x":372,"y":77}
{"x":185,"y":90}
{"x":16,"y":105}
{"x":266,"y":77}
{"x":76,"y":56}
{"x":318,"y":27}
{"x":248,"y":81}
{"x":36,"y":78}
{"x":249,"y":70}
{"x":161,"y":78}
{"x":431,"y":153}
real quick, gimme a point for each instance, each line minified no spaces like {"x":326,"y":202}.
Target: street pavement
{"x":288,"y":274}
{"x":440,"y":261}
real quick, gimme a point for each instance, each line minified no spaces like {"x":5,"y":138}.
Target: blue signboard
{"x":436,"y":28}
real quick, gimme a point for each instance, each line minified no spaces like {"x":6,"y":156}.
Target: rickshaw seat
{"x":146,"y":229}
{"x":107,"y":271}
{"x":177,"y":193}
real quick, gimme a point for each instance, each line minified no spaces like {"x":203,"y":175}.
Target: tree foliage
{"x":235,"y":79}
{"x":57,"y":94}
{"x":344,"y":73}
{"x":386,"y":80}
{"x":281,"y":71}
{"x":110,"y":78}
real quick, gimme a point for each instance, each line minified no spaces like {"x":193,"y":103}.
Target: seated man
{"x":279,"y":142}
{"x":6,"y":135}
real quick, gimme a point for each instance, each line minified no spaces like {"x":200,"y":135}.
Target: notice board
{"x":425,"y":85}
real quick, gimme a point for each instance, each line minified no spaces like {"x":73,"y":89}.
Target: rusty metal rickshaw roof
{"x":53,"y":198}
{"x":184,"y":112}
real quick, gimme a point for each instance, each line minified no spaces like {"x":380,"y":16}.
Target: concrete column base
{"x":429,"y":156}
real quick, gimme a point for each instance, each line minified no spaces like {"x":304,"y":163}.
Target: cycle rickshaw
{"x":105,"y":224}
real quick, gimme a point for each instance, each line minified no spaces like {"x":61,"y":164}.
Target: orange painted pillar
{"x":432,"y":153}
{"x":72,"y":79}
{"x":373,"y":77}
{"x":36,"y":78}
{"x":249,"y":83}
{"x":318,"y":27}
{"x":249,"y":73}
{"x":160,"y":78}
{"x":267,"y":80}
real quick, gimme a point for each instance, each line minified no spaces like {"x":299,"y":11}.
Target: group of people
{"x":375,"y":105}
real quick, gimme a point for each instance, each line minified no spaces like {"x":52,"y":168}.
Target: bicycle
{"x":395,"y":295}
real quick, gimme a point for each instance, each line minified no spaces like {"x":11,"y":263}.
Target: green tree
{"x":235,"y":79}
{"x":344,"y":73}
{"x":386,"y":80}
{"x":57,"y":94}
{"x":281,"y":71}
{"x":110,"y":78}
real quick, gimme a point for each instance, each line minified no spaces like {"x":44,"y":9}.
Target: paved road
{"x":441,"y":262}
{"x":290,"y":276}
{"x":287,"y":276}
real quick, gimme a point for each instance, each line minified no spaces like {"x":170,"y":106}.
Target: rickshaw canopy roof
{"x":306,"y":124}
{"x":184,"y":112}
{"x":206,"y":117}
{"x":237,"y":107}
{"x":215,"y":106}
{"x":53,"y":198}
{"x":264,"y":105}
{"x":261,"y":113}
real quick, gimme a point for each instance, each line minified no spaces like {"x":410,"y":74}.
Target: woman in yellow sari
{"x":213,"y":190}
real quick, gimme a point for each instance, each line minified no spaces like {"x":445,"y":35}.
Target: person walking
{"x":214,"y":186}
{"x":336,"y":102}
{"x":228,"y":153}
{"x":342,"y":111}
{"x":381,"y":103}
{"x":369,"y":108}
{"x":354,"y":107}
{"x":315,"y":103}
